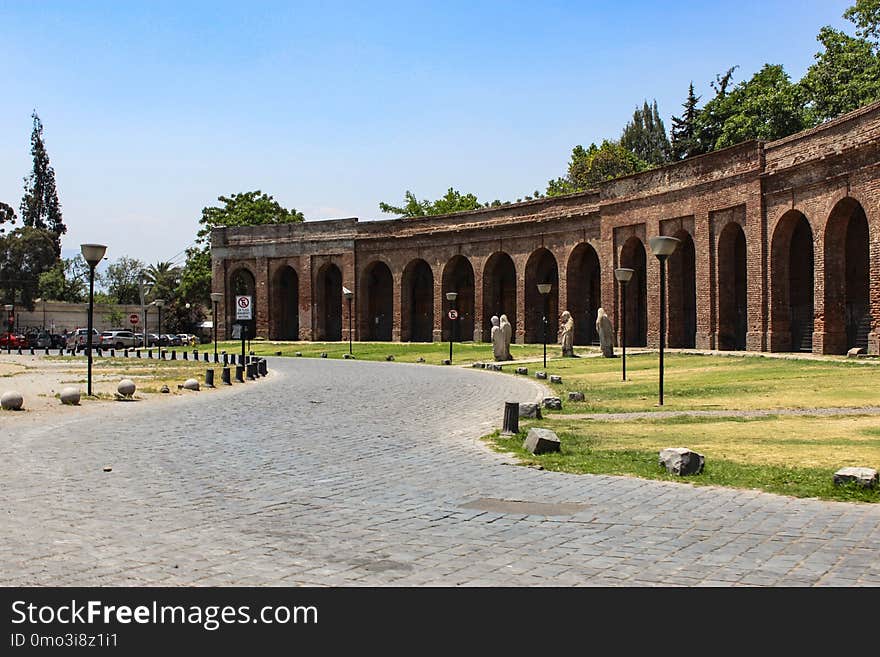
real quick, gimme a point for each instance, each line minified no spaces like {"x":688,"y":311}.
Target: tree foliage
{"x":452,"y":201}
{"x":39,"y":205}
{"x":245,"y":209}
{"x":590,"y":166}
{"x":121,"y":280}
{"x":67,"y":280}
{"x":683,"y":142}
{"x":645,"y":136}
{"x":162,"y":279}
{"x":25,"y":254}
{"x":7,"y":216}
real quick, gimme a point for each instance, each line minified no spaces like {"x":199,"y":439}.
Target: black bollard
{"x":239,"y":373}
{"x":250,"y":371}
{"x":47,"y":351}
{"x":125,"y":352}
{"x":137,"y":353}
{"x":216,"y":358}
{"x":209,"y":378}
{"x":19,"y":351}
{"x":263,"y":367}
{"x":32,"y":351}
{"x":206,"y":356}
{"x":195,"y":354}
{"x":224,"y":376}
{"x":149,"y":353}
{"x":225,"y":359}
{"x":112,"y":353}
{"x":173,"y":354}
{"x":185,"y":355}
{"x":511,"y":419}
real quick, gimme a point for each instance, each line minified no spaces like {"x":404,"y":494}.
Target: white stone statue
{"x":508,"y":336}
{"x":566,"y":334}
{"x":606,"y":333}
{"x":497,"y":336}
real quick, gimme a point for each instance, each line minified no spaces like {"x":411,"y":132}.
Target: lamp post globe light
{"x":451,"y":297}
{"x":215,"y":299}
{"x":662,"y":247}
{"x":159,"y":303}
{"x":544,"y":289}
{"x":92,"y":254}
{"x":348,"y":294}
{"x":623,"y":276}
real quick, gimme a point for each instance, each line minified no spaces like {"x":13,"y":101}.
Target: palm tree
{"x":162,"y":279}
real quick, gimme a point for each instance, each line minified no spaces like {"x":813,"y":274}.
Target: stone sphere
{"x":126,"y":387}
{"x":191,"y":384}
{"x":70,"y":396}
{"x":11,"y":401}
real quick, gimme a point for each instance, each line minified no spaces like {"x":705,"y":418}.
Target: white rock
{"x":70,"y":396}
{"x":191,"y":384}
{"x":126,"y":387}
{"x":681,"y":461}
{"x":866,"y":477}
{"x":11,"y":401}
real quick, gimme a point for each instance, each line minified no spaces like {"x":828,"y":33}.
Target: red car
{"x":12,"y":341}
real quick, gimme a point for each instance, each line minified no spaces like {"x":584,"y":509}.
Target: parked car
{"x":188,"y":339}
{"x":58,"y":341}
{"x":169,"y":340}
{"x":39,"y":339}
{"x":120,"y":339}
{"x":152,"y":340}
{"x":12,"y":340}
{"x":77,"y":340}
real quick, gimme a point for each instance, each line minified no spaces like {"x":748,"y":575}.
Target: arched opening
{"x":417,"y":299}
{"x":241,"y":283}
{"x":682,"y":309}
{"x":792,"y":283}
{"x":632,"y":256}
{"x":377,"y":309}
{"x":458,"y":276}
{"x":847,"y":278}
{"x":286,"y":301}
{"x":584,"y":293}
{"x":541,"y":268}
{"x":732,"y":306}
{"x":499,"y":292}
{"x":328,"y":303}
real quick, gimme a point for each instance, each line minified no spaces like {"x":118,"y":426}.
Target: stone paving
{"x":351,"y":473}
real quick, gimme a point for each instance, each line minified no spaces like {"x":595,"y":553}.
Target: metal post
{"x":623,"y":324}
{"x":349,"y":326}
{"x":662,"y":320}
{"x":215,"y":331}
{"x":89,"y":335}
{"x":546,"y":312}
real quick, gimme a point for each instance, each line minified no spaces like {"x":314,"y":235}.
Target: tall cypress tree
{"x":645,"y":135}
{"x":684,"y":142}
{"x":39,"y":205}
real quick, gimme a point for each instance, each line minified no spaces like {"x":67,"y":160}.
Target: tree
{"x":195,"y":278}
{"x":591,"y":166}
{"x":645,"y":136}
{"x":7,"y":216}
{"x":768,"y":107}
{"x":39,"y":205}
{"x":866,"y":16}
{"x":25,"y":253}
{"x":684,"y":142}
{"x":247,"y":209}
{"x":452,"y":201}
{"x":67,"y":280}
{"x":121,"y":280}
{"x":710,"y":121}
{"x":162,"y":279}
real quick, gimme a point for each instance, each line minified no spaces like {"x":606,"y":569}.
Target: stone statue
{"x":497,"y":336}
{"x":606,"y":333}
{"x":566,"y":334}
{"x":508,"y":336}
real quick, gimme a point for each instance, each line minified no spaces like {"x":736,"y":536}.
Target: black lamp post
{"x":544,"y":289}
{"x":623,"y":276}
{"x":92,"y":254}
{"x":159,"y":303}
{"x":9,"y":324}
{"x":451,"y":297}
{"x":215,"y":299}
{"x":348,"y":294}
{"x":662,"y":247}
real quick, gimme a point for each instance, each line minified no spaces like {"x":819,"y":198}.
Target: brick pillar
{"x":652,"y":288}
{"x":440,"y":302}
{"x":704,"y":272}
{"x":397,"y":314}
{"x":220,"y":284}
{"x":478,"y":299}
{"x":757,"y":275}
{"x":349,"y":280}
{"x":306,"y":305}
{"x":262,"y":300}
{"x":520,"y":300}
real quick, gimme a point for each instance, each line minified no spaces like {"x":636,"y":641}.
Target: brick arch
{"x":376,"y":306}
{"x":458,"y":276}
{"x":417,"y":302}
{"x":242,"y":280}
{"x":682,"y":293}
{"x":792,"y":283}
{"x":499,"y":292}
{"x":541,"y":267}
{"x":732,"y":290}
{"x":584,"y":291}
{"x":634,"y":256}
{"x":285,"y":304}
{"x":846,"y":268}
{"x":328,"y":302}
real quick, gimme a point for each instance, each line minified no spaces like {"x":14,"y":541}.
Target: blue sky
{"x":153,"y":109}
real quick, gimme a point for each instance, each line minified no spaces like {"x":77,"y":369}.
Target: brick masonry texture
{"x":780,"y":251}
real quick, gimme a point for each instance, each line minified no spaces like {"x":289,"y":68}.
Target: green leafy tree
{"x":768,"y":106}
{"x":67,"y":280}
{"x":866,"y":16}
{"x":114,"y":317}
{"x":684,"y":141}
{"x":591,"y":166}
{"x":195,"y":278}
{"x":39,"y":205}
{"x":452,"y":201}
{"x":7,"y":216}
{"x":645,"y":136}
{"x":25,"y":254}
{"x":247,"y":209}
{"x":162,"y":279}
{"x":710,"y":122}
{"x":121,"y":280}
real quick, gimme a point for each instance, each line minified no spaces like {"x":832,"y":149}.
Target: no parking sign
{"x":244,"y":308}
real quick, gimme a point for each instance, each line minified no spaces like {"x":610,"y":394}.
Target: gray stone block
{"x":540,"y":375}
{"x":530,"y":411}
{"x":555,"y":378}
{"x":576,"y":396}
{"x":855,"y":352}
{"x":866,"y":477}
{"x":541,"y":441}
{"x":681,"y":461}
{"x":522,"y":370}
{"x":553,"y":403}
